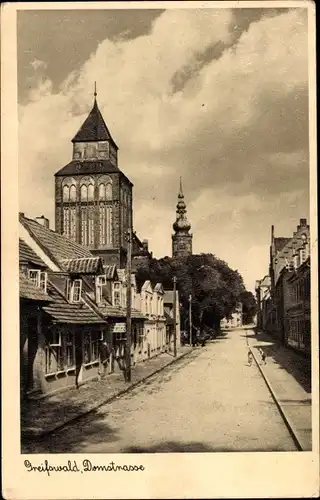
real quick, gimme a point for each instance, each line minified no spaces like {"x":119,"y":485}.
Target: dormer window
{"x":74,"y":288}
{"x":100,"y":282}
{"x":38,"y":278}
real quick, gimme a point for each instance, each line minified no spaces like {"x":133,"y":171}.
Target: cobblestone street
{"x":211,"y":400}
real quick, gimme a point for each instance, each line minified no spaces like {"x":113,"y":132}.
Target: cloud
{"x":236,"y":127}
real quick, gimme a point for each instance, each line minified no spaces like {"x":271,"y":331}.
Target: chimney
{"x":145,"y":245}
{"x":303,"y":223}
{"x":272,"y":233}
{"x":43,"y":221}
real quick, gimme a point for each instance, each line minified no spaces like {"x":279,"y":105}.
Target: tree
{"x":249,"y":307}
{"x":215,"y":288}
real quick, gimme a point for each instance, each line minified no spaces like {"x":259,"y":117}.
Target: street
{"x":211,"y":400}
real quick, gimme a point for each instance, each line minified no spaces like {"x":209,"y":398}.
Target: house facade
{"x":60,"y":341}
{"x":284,"y":296}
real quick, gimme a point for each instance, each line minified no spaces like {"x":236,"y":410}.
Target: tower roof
{"x":94,"y":127}
{"x":181,"y":223}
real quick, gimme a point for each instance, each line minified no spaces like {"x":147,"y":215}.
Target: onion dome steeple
{"x":181,"y":223}
{"x":181,"y":239}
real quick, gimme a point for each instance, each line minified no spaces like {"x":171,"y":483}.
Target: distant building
{"x":235,"y":321}
{"x":264,"y":306}
{"x":181,"y":239}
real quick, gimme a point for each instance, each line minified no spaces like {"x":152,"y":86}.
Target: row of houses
{"x":71,"y":303}
{"x":283,"y":296}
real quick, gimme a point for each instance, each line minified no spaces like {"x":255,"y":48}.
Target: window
{"x":53,"y":352}
{"x":116,"y":294}
{"x":109,"y":191}
{"x":65,"y":193}
{"x":73,"y":221}
{"x":90,"y":192}
{"x":91,"y":346}
{"x":100,"y":282}
{"x":38,"y":278}
{"x":105,"y":189}
{"x":73,"y":193}
{"x":74,"y":290}
{"x":84,"y":193}
{"x":84,"y":226}
{"x":90,"y":226}
{"x":55,"y":340}
{"x":105,"y":223}
{"x":69,"y":350}
{"x":66,"y":221}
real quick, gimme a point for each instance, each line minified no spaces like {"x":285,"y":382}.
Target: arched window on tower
{"x":84,"y":193}
{"x":109,"y":191}
{"x":90,"y":192}
{"x":102,"y":191}
{"x":65,"y":191}
{"x":73,"y":193}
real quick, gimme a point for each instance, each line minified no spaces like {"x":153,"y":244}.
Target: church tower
{"x":181,"y":239}
{"x":93,"y":198}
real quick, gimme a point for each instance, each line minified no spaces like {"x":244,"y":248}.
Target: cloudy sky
{"x":217,"y":96}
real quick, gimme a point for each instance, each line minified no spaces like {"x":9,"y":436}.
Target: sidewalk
{"x":289,"y":379}
{"x":43,"y":416}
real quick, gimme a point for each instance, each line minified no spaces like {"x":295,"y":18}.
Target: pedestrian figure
{"x":249,"y":358}
{"x":104,"y":358}
{"x":263,"y":357}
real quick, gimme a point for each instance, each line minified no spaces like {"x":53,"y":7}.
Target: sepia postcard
{"x":159,"y":250}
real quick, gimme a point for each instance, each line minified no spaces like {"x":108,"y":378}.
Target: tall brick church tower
{"x":93,"y":198}
{"x":181,"y":239}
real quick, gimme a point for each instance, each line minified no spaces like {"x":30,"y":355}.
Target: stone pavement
{"x":288,"y":375}
{"x":43,"y":416}
{"x":209,"y":401}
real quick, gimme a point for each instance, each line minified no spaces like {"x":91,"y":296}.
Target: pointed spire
{"x":181,"y":223}
{"x":94,"y":127}
{"x":180,"y":195}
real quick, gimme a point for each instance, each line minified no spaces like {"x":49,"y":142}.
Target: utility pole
{"x":128,"y":325}
{"x":190,"y":320}
{"x":175,"y":316}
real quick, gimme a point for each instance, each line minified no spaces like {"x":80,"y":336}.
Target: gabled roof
{"x":62,"y":311}
{"x":83,"y":265}
{"x":56,"y":246}
{"x":146,"y":286}
{"x":280,"y":243}
{"x":29,"y":291}
{"x":159,"y":288}
{"x":94,"y":128}
{"x":28,"y":256}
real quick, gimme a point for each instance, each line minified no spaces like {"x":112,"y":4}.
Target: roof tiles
{"x":83,"y":265}
{"x":63,"y":311}
{"x":29,"y":291}
{"x":57,"y":247}
{"x":28,"y":256}
{"x":93,"y":128}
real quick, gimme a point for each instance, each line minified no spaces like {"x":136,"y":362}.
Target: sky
{"x":217,"y":96}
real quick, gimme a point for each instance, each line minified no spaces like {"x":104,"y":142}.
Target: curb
{"x":286,"y":420}
{"x":30,"y":435}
